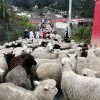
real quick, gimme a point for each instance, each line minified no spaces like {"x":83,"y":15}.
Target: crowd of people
{"x":36,"y":34}
{"x":31,"y":35}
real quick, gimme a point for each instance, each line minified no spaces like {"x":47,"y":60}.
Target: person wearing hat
{"x":26,"y":34}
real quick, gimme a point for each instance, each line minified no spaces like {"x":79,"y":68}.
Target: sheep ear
{"x":96,"y":72}
{"x":12,"y":52}
{"x":76,"y":56}
{"x":22,"y":56}
{"x":36,"y":83}
{"x":5,"y":55}
{"x":68,"y":56}
{"x":46,"y":88}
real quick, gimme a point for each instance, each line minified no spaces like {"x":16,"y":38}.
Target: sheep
{"x":4,"y":69}
{"x":1,"y":75}
{"x":40,"y":55}
{"x":97,"y":52}
{"x":91,"y":62}
{"x":14,"y":45}
{"x":48,"y":49}
{"x":15,"y":61}
{"x":89,"y":72}
{"x":77,"y":87}
{"x":50,"y":71}
{"x":54,"y":67}
{"x":8,"y":58}
{"x":42,"y":61}
{"x":18,"y":51}
{"x":95,"y":60}
{"x":19,"y":75}
{"x":45,"y":90}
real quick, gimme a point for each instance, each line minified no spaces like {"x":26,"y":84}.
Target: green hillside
{"x":83,"y":8}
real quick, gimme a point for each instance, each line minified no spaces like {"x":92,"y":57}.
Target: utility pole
{"x":3,"y":2}
{"x":69,"y":19}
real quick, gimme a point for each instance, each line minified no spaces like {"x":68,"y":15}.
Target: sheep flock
{"x":37,"y":69}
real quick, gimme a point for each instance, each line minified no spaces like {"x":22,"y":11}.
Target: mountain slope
{"x":84,"y":8}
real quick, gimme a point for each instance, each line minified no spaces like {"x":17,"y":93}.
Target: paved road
{"x":59,"y":96}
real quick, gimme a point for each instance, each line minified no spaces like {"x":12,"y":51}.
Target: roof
{"x":54,"y":19}
{"x":59,"y":20}
{"x":34,"y":21}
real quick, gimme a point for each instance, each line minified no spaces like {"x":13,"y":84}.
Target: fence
{"x":14,"y":31}
{"x":2,"y":34}
{"x":60,"y":31}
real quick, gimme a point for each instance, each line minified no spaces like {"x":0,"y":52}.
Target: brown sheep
{"x":19,"y":74}
{"x":15,"y":61}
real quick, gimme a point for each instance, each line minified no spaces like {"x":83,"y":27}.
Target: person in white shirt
{"x":37,"y":34}
{"x":31,"y":35}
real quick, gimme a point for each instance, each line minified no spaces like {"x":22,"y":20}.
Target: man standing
{"x":31,"y":35}
{"x":37,"y":34}
{"x":26,"y":34}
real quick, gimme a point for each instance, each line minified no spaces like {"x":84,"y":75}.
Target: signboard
{"x":95,"y":38}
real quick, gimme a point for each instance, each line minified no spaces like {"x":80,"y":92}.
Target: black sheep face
{"x":30,"y":61}
{"x":8,"y":57}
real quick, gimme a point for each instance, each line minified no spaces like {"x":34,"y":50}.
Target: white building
{"x":60,"y":25}
{"x":24,"y":14}
{"x":74,"y":22}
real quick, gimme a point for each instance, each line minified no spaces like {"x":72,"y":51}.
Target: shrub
{"x":83,"y":34}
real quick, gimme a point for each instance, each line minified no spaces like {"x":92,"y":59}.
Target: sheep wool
{"x":76,"y":87}
{"x":46,"y":90}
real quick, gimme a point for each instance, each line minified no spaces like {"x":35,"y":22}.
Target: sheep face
{"x":65,"y":60}
{"x":30,"y":60}
{"x":47,"y":88}
{"x":89,"y":72}
{"x":50,"y":47}
{"x":8,"y":57}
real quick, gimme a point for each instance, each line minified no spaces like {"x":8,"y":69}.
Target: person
{"x":37,"y":34}
{"x":31,"y":35}
{"x":55,"y":32}
{"x":44,"y":34}
{"x":66,"y":37}
{"x":26,"y":34}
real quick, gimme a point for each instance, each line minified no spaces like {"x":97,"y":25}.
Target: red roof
{"x":59,"y":20}
{"x":38,"y":20}
{"x":33,"y":21}
{"x":80,"y":19}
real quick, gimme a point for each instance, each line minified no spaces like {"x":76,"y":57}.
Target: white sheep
{"x":46,"y":90}
{"x":83,"y":62}
{"x":92,"y":58}
{"x":3,"y":68}
{"x":50,"y":71}
{"x":77,"y":87}
{"x":1,"y":75}
{"x":89,"y":72}
{"x":18,"y":51}
{"x":48,"y":49}
{"x":97,"y":52}
{"x":42,"y":61}
{"x":41,"y":55}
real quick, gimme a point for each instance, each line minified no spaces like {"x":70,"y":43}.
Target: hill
{"x":83,"y":8}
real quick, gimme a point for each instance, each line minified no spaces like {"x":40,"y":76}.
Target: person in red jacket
{"x":55,"y":32}
{"x":44,"y":34}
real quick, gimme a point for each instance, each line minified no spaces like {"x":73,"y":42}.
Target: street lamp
{"x":69,"y":19}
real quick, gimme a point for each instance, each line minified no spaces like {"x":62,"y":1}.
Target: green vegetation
{"x":14,"y":25}
{"x":81,"y":8}
{"x":83,"y":34}
{"x":17,"y":25}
